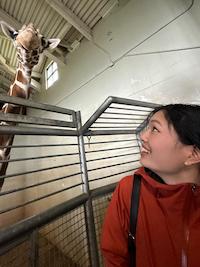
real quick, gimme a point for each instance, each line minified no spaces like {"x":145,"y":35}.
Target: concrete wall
{"x":129,"y":58}
{"x":109,"y":66}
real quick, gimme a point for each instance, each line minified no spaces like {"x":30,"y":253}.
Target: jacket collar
{"x":154,"y":176}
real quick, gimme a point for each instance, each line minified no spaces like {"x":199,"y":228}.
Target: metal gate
{"x":60,"y":179}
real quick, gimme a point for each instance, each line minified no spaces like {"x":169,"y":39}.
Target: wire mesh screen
{"x":18,"y":256}
{"x":100,"y":205}
{"x":63,"y":242}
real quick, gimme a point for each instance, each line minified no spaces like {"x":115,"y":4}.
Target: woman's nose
{"x":144,"y":135}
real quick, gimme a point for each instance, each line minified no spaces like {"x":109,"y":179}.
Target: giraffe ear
{"x":53,"y":43}
{"x":8,"y":30}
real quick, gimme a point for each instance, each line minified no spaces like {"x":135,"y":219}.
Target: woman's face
{"x":162,"y":151}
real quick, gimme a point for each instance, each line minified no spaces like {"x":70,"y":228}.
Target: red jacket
{"x":168,"y":227}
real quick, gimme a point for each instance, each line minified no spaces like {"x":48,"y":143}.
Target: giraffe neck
{"x":19,"y":88}
{"x":21,"y":85}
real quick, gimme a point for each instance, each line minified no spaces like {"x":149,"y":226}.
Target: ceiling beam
{"x":10,"y":20}
{"x":5,"y":81}
{"x":71,"y":18}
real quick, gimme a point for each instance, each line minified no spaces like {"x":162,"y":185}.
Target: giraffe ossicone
{"x":29,"y":44}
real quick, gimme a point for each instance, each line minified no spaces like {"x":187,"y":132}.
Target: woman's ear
{"x":194,"y":157}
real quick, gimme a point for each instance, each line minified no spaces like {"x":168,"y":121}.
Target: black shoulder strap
{"x":135,"y":199}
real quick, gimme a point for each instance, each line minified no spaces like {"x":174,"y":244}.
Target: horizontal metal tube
{"x":127,"y":114}
{"x":18,"y":130}
{"x":131,"y":102}
{"x":113,"y":127}
{"x":103,"y":190}
{"x":110,"y":142}
{"x":35,"y":105}
{"x":113,"y":165}
{"x":108,"y":132}
{"x":115,"y":122}
{"x":111,"y":175}
{"x":38,"y":184}
{"x":107,"y":103}
{"x":39,"y":198}
{"x":118,"y":156}
{"x":113,"y":118}
{"x":9,"y":117}
{"x":131,"y":109}
{"x":110,"y":149}
{"x":42,"y":157}
{"x":36,"y":221}
{"x":34,"y":146}
{"x":38,"y":170}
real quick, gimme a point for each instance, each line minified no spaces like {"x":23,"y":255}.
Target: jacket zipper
{"x":184,"y":256}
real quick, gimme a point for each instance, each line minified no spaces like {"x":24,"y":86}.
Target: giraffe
{"x":29,"y":44}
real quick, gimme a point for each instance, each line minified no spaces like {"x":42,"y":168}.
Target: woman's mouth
{"x":144,"y":150}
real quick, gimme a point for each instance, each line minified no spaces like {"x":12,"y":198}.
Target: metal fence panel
{"x":51,"y":165}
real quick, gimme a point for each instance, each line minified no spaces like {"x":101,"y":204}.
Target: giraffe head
{"x":28,"y":42}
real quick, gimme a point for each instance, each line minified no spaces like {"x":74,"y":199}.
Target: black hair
{"x":185,"y":119}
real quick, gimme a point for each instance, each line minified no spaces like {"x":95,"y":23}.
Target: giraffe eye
{"x":44,"y":42}
{"x":14,"y":34}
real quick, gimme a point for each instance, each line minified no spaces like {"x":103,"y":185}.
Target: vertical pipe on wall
{"x":90,"y":224}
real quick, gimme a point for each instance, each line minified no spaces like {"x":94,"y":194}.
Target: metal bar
{"x":35,"y":105}
{"x":37,"y":199}
{"x":118,"y":156}
{"x":127,"y":114}
{"x":110,"y":142}
{"x":9,"y":117}
{"x":103,"y":150}
{"x":131,"y":109}
{"x":106,"y":189}
{"x":38,"y":170}
{"x":113,"y":127}
{"x":110,"y":175}
{"x":107,"y":103}
{"x":110,"y":166}
{"x":33,"y":146}
{"x":113,"y":118}
{"x":28,"y":225}
{"x":89,"y":216}
{"x":108,"y":132}
{"x":37,"y":184}
{"x":18,"y":130}
{"x":41,"y":157}
{"x":34,"y":249}
{"x":131,"y":102}
{"x":114,"y":122}
{"x":6,"y":248}
{"x":97,"y":114}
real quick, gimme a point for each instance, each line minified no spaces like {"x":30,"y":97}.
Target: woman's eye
{"x":154,"y":129}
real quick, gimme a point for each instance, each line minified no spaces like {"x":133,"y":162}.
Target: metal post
{"x":34,"y":248}
{"x":90,"y":224}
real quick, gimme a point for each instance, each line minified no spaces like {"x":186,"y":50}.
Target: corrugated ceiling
{"x":69,"y":20}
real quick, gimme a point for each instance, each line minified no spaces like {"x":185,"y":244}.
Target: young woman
{"x":168,"y":222}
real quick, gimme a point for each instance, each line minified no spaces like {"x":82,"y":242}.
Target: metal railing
{"x":60,"y":180}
